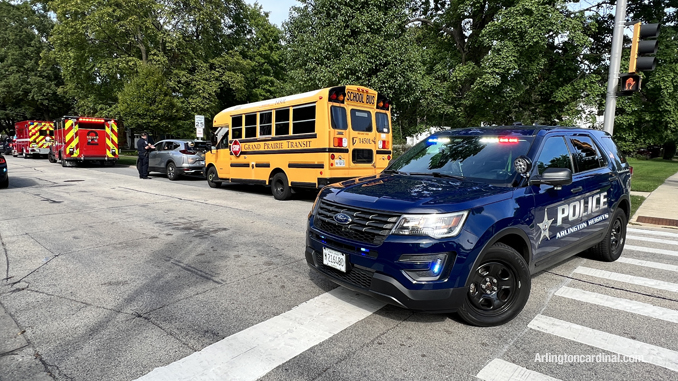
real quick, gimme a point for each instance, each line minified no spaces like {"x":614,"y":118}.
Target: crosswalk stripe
{"x":620,"y":304}
{"x":654,"y":265}
{"x":639,"y":281}
{"x":647,"y":353}
{"x":650,"y":239}
{"x":653,"y":232}
{"x":255,"y":351}
{"x":500,"y":370}
{"x":644,"y":249}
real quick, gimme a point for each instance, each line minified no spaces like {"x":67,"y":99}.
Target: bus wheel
{"x":211,"y":176}
{"x":280,"y":187}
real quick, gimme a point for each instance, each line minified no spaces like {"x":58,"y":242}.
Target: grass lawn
{"x":649,"y":174}
{"x":127,"y":160}
{"x":635,"y":203}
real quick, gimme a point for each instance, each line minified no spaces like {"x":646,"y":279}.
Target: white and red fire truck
{"x":32,"y":138}
{"x":80,"y":139}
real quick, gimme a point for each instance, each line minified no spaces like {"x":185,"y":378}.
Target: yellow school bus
{"x":304,"y":140}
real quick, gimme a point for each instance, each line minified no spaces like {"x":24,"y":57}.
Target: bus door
{"x":222,"y":154}
{"x":92,"y":137}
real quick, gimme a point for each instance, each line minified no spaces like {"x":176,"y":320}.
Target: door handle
{"x":577,"y":190}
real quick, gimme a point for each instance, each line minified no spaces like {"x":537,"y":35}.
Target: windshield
{"x":479,"y":158}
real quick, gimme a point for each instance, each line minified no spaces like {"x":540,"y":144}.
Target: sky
{"x":279,"y":9}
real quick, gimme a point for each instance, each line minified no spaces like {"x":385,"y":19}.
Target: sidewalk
{"x":660,"y":208}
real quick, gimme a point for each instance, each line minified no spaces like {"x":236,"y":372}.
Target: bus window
{"x":303,"y":119}
{"x":339,"y":121}
{"x":265,"y":123}
{"x":361,"y":120}
{"x":236,"y":131}
{"x":282,"y":122}
{"x":382,"y":123}
{"x":251,"y":126}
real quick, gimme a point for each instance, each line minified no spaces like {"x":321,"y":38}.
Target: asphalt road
{"x":110,"y":277}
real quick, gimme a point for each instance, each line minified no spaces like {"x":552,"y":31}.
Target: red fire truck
{"x":80,"y":139}
{"x":32,"y":138}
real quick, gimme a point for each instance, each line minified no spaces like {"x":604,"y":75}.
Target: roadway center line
{"x":654,"y":265}
{"x":650,"y":239}
{"x":644,"y":352}
{"x":500,"y":370}
{"x":636,"y":280}
{"x":255,"y":351}
{"x":644,"y":249}
{"x":652,"y":232}
{"x":620,"y":304}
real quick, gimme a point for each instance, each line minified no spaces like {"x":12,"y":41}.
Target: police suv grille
{"x":366,"y":226}
{"x":355,"y":276}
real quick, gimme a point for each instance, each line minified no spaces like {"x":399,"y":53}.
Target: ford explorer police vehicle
{"x":461,"y":221}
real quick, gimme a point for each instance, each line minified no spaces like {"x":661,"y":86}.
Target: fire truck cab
{"x":32,"y":138}
{"x":81,"y":139}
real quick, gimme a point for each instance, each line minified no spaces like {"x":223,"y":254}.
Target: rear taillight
{"x":383,"y":144}
{"x":631,"y":170}
{"x":340,"y":142}
{"x":2,"y":160}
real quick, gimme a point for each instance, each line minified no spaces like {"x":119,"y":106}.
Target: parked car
{"x":4,"y":176}
{"x":461,"y":221}
{"x":6,"y":146}
{"x":177,"y":157}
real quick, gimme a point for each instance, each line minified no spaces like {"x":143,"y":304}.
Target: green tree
{"x":359,"y":42}
{"x":148,"y":104}
{"x":28,"y":89}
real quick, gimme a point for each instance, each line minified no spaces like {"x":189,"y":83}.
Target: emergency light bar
{"x":94,"y":120}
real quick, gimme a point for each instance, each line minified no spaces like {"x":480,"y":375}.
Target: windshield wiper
{"x":439,"y":174}
{"x":394,"y":171}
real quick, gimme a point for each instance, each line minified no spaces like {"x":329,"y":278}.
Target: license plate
{"x":334,"y":259}
{"x":339,"y":163}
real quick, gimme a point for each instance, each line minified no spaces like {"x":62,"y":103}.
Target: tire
{"x":172,"y":171}
{"x":4,"y":183}
{"x":280,"y":187}
{"x":211,"y":175}
{"x":611,"y":247}
{"x":51,"y":158}
{"x":497,"y":289}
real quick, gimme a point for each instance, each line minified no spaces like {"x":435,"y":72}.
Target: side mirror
{"x":556,"y":177}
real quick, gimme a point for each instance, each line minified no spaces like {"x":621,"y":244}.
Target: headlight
{"x":432,"y":225}
{"x":315,"y":206}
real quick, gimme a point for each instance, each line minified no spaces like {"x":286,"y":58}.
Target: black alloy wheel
{"x":611,"y":247}
{"x":497,"y":289}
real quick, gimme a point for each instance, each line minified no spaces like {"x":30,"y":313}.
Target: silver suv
{"x":177,"y":157}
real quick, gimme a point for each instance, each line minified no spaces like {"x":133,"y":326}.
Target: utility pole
{"x":615,"y":61}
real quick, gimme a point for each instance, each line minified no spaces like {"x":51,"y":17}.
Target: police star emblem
{"x":544,"y":226}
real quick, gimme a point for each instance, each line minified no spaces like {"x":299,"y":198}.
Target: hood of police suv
{"x":415,"y":193}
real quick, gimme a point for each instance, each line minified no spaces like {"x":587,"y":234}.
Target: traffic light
{"x":641,"y":47}
{"x":630,"y":83}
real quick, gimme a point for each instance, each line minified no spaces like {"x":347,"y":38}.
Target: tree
{"x":359,"y":42}
{"x":28,"y":89}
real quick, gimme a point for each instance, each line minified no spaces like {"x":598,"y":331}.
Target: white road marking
{"x":654,"y":265}
{"x":639,"y":281}
{"x":620,"y":304}
{"x":653,"y":232}
{"x":644,"y":249}
{"x":650,"y":239}
{"x":500,"y":370}
{"x":255,"y":351}
{"x":648,"y":353}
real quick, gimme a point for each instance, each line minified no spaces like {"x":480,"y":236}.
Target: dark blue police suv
{"x":461,"y":221}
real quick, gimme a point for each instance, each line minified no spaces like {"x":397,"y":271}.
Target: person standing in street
{"x":143,"y":148}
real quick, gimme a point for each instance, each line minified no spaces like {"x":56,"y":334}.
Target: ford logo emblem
{"x":343,"y":218}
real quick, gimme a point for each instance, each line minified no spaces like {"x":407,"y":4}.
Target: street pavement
{"x":109,"y":277}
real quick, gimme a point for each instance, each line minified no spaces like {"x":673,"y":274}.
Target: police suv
{"x":460,"y":221}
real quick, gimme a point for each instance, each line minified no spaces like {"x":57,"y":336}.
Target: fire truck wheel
{"x":172,"y":171}
{"x":50,"y":157}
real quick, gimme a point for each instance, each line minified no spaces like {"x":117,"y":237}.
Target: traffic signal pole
{"x":615,"y":62}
